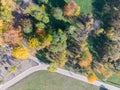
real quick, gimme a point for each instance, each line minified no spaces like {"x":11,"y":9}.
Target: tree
{"x":27,"y":26}
{"x":62,"y":59}
{"x":6,"y":10}
{"x":92,"y":77}
{"x":59,"y":41}
{"x":111,"y":51}
{"x":71,"y":9}
{"x":20,"y":52}
{"x":58,"y":14}
{"x":40,"y":25}
{"x":33,"y":42}
{"x":12,"y":35}
{"x":1,"y":26}
{"x":117,"y":65}
{"x":59,"y":57}
{"x":12,"y":69}
{"x":85,"y":59}
{"x":42,"y":1}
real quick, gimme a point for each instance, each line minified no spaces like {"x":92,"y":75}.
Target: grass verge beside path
{"x":115,"y":80}
{"x":44,"y":80}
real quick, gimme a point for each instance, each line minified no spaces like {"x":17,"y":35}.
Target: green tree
{"x":39,"y":13}
{"x":59,"y":41}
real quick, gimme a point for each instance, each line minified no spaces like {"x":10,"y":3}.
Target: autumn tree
{"x":39,"y":13}
{"x":53,"y":67}
{"x":12,"y":35}
{"x":20,"y":52}
{"x":92,"y":77}
{"x":33,"y":42}
{"x":85,"y":59}
{"x":71,"y":9}
{"x":7,"y":6}
{"x":59,"y":41}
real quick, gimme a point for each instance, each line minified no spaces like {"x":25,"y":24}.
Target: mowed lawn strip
{"x":44,"y":80}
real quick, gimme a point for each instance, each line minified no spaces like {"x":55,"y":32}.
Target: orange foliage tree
{"x":70,"y":8}
{"x":13,"y":35}
{"x":86,"y":59}
{"x":92,"y":77}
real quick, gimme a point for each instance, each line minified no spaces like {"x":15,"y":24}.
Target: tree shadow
{"x":96,"y":44}
{"x":102,"y":11}
{"x":58,"y":24}
{"x":57,"y":3}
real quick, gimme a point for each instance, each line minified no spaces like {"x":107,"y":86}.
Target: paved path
{"x":43,"y":66}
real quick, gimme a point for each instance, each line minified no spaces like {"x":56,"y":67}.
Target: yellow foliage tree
{"x":7,"y":6}
{"x":1,"y":26}
{"x":99,"y":31}
{"x":92,"y":77}
{"x":41,"y":33}
{"x":53,"y":67}
{"x":83,"y":43}
{"x":12,"y":69}
{"x":1,"y":41}
{"x":110,"y":32}
{"x":62,"y":58}
{"x":20,"y":52}
{"x":33,"y":42}
{"x":89,"y":23}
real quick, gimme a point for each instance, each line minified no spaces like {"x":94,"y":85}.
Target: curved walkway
{"x":43,"y":66}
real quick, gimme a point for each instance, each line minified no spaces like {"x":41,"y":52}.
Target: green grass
{"x":114,"y":79}
{"x":44,"y":80}
{"x":85,"y":5}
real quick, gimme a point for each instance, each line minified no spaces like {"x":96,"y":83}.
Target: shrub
{"x":12,"y":69}
{"x":6,"y":10}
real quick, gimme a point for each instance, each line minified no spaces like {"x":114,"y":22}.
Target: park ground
{"x":44,"y":80}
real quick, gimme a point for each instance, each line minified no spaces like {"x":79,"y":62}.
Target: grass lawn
{"x":44,"y":80}
{"x":85,"y":5}
{"x":115,"y":79}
